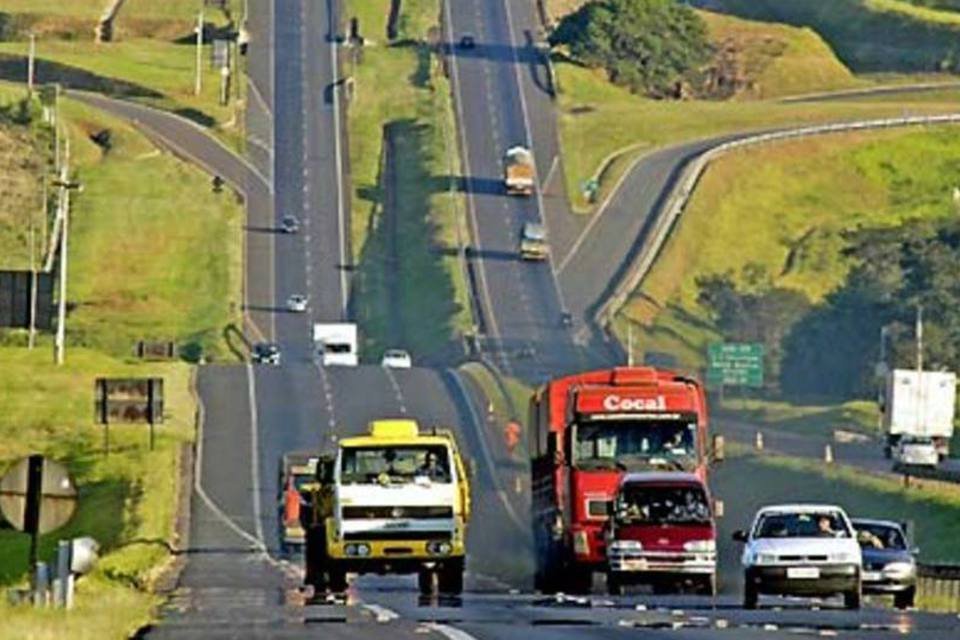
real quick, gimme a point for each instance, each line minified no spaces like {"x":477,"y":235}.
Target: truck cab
{"x":397,"y":501}
{"x":519,"y":171}
{"x":662,"y":532}
{"x":336,"y":344}
{"x":533,"y":242}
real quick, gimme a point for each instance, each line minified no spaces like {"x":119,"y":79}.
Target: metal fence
{"x":687,"y":183}
{"x":938,"y":587}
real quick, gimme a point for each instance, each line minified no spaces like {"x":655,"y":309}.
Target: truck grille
{"x":397,"y":512}
{"x":379,"y":534}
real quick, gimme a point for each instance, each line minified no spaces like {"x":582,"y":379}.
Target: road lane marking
{"x":396,"y":389}
{"x":198,"y":485}
{"x":328,"y":397}
{"x":337,"y":152}
{"x":485,"y":451}
{"x":451,"y":633}
{"x":489,"y":316}
{"x":382,"y":614}
{"x":255,"y":453}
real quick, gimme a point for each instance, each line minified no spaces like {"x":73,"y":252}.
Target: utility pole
{"x":199,"y":81}
{"x":64,"y":203}
{"x":31,"y":63}
{"x":920,"y":386}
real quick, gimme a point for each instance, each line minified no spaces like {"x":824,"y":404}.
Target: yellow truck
{"x":519,"y":171}
{"x":393,"y":501}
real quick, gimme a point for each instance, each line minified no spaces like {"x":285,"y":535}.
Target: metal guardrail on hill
{"x":938,"y":587}
{"x":928,"y":473}
{"x":687,"y":183}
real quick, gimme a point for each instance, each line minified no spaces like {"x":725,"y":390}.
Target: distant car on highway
{"x":533,"y":242}
{"x":916,"y":451}
{"x":297,"y":469}
{"x":801,"y":550}
{"x":266,"y":353}
{"x":467,"y":41}
{"x":289,"y":224}
{"x":889,"y":565}
{"x":297,"y":303}
{"x":396,"y":359}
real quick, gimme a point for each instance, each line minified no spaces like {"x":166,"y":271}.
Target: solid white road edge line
{"x":382,"y":614}
{"x":255,"y":454}
{"x":452,"y":633}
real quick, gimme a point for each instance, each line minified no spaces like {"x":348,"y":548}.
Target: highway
{"x":236,"y":583}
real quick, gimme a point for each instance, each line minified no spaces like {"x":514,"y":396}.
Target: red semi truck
{"x":588,"y":430}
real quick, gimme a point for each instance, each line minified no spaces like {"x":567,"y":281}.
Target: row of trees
{"x":831,"y":349}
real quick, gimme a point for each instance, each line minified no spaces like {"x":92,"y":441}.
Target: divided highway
{"x":236,"y":584}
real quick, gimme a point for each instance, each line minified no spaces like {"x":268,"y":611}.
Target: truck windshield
{"x":637,"y":444}
{"x":337,"y":347}
{"x":661,"y":505}
{"x":387,"y":465}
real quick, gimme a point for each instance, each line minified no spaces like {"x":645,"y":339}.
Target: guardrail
{"x":687,"y":183}
{"x":928,"y":473}
{"x":938,"y":587}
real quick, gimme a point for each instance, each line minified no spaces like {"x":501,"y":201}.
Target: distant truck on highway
{"x":919,"y":405}
{"x":662,"y":532}
{"x":519,"y":171}
{"x":587,"y":431}
{"x":396,"y":500}
{"x":336,"y":343}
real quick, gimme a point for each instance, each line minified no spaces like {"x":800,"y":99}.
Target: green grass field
{"x":603,"y":128}
{"x":400,"y":90}
{"x":21,"y":191}
{"x":868,"y":35}
{"x":139,"y":230}
{"x":785,"y":207}
{"x":778,"y":60}
{"x":144,"y":62}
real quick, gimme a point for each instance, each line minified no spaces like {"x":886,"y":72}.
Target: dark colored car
{"x":467,"y":42}
{"x":290,"y":224}
{"x":266,"y":353}
{"x":889,"y":564}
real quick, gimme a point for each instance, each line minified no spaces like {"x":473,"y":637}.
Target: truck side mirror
{"x":718,"y":450}
{"x":740,"y":535}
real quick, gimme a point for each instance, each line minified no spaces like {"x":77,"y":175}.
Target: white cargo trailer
{"x":922,"y":404}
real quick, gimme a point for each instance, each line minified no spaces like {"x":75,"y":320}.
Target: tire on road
{"x":750,"y":594}
{"x":425,"y":581}
{"x":905,"y":599}
{"x":852,"y":598}
{"x":450,"y":578}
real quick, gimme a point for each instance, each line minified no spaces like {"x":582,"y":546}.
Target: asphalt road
{"x":235,"y":583}
{"x":521,"y":301}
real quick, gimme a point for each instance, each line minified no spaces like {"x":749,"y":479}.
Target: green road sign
{"x":738,"y":364}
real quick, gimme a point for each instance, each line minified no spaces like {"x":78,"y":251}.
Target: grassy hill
{"x":785,"y":209}
{"x":868,"y":35}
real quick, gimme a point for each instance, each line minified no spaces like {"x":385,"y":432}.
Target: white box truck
{"x":920,"y":405}
{"x":336,"y":343}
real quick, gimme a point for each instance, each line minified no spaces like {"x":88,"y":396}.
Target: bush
{"x":649,"y":46}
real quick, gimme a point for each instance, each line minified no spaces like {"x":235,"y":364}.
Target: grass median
{"x":407,"y":210}
{"x":154,"y":254}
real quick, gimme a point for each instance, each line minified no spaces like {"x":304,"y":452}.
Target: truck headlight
{"x":626,"y":545}
{"x":899,"y":570}
{"x":363,"y":549}
{"x":764,"y":558}
{"x":700,"y":546}
{"x":350,"y":549}
{"x":581,"y":543}
{"x":439,"y":548}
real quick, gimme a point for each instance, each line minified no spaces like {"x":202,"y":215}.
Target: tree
{"x":649,"y":46}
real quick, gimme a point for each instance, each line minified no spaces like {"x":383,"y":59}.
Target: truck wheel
{"x":905,"y":599}
{"x":450,"y":579}
{"x":708,"y":586}
{"x":579,"y":581}
{"x":614,"y":585}
{"x":336,"y":579}
{"x":750,"y":595}
{"x":315,"y":559}
{"x":851,"y":599}
{"x":425,"y":582}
